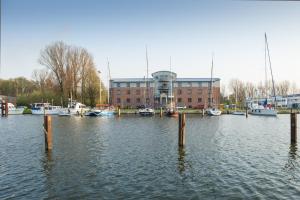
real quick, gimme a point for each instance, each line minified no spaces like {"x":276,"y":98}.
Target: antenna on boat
{"x":267,"y":47}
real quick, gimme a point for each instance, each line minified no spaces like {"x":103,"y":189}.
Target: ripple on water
{"x":130,"y":157}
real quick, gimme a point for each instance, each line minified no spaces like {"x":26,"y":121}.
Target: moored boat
{"x":12,"y":110}
{"x":44,"y":109}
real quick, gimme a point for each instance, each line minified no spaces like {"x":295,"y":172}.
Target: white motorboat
{"x":44,"y":109}
{"x":146,"y":111}
{"x":262,"y":110}
{"x":12,"y":110}
{"x":76,"y":108}
{"x":214,"y":112}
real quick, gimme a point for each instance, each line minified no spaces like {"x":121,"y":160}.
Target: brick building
{"x":161,"y":88}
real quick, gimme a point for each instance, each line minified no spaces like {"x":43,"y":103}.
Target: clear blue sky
{"x":189,"y":31}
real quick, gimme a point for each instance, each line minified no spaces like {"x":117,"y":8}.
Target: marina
{"x":131,"y":156}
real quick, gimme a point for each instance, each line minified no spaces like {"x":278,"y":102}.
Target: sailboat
{"x":147,"y":110}
{"x":108,"y":110}
{"x":171,"y":110}
{"x":264,"y":109}
{"x":235,"y":111}
{"x":212,"y":111}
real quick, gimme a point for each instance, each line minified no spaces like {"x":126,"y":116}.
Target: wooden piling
{"x":48,"y":132}
{"x":119,"y":112}
{"x":246,"y":112}
{"x":6,"y":109}
{"x":181,"y":129}
{"x":2,"y":109}
{"x":293,"y":127}
{"x":161,"y":112}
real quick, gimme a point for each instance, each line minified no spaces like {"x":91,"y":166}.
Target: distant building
{"x":186,"y":92}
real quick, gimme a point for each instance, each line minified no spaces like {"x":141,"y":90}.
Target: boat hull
{"x":214,"y":112}
{"x":263,"y":112}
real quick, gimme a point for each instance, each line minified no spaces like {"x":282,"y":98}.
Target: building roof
{"x":130,"y":80}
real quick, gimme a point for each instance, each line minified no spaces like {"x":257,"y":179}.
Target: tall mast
{"x":267,"y":46}
{"x":171,"y":83}
{"x":266,"y":72}
{"x":211,"y":82}
{"x":109,"y":78}
{"x":147,"y":83}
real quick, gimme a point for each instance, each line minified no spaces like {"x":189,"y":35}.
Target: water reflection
{"x":181,"y":160}
{"x":293,"y":155}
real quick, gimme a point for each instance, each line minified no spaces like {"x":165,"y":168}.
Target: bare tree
{"x":54,"y":58}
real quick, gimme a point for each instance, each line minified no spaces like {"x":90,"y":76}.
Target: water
{"x":227,"y":157}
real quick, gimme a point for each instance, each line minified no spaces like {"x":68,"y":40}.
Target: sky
{"x":189,"y":31}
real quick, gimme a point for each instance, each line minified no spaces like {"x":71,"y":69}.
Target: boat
{"x":171,"y":110}
{"x":75,"y":108}
{"x":265,"y":110}
{"x":93,"y":113}
{"x":211,"y":110}
{"x":12,"y":110}
{"x":147,"y":110}
{"x":44,"y":109}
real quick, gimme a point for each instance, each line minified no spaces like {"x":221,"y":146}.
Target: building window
{"x":179,"y":84}
{"x":189,"y":100}
{"x":128,"y":100}
{"x":128,"y":91}
{"x":199,"y":100}
{"x":118,"y":100}
{"x":138,"y":85}
{"x":190,"y":84}
{"x":138,"y":100}
{"x":118,"y":85}
{"x":190,"y":106}
{"x":128,"y":84}
{"x":199,"y":84}
{"x":179,"y":100}
{"x":138,"y":92}
{"x":179,"y":92}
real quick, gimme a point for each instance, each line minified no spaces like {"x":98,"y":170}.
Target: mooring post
{"x":6,"y":109}
{"x":2,"y":109}
{"x":81,"y":112}
{"x":48,"y":132}
{"x":246,"y":112}
{"x":119,"y":112}
{"x":202,"y":112}
{"x":181,"y":129}
{"x":293,"y":127}
{"x":161,"y":112}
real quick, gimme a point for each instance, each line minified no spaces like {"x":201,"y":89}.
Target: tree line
{"x":240,"y":90}
{"x":69,"y":72}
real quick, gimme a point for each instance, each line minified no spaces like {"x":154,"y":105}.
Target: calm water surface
{"x":227,"y":157}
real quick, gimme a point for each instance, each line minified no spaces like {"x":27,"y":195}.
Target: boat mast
{"x":211,"y":82}
{"x":267,"y":46}
{"x":109,"y":78}
{"x":147,"y":83}
{"x":171,"y":84}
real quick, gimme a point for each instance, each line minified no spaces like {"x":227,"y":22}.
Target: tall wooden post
{"x":161,"y":112}
{"x":293,"y":127}
{"x":119,"y":112}
{"x":48,"y":132}
{"x":2,"y":109}
{"x":181,"y":129}
{"x":246,"y":112}
{"x":202,"y":112}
